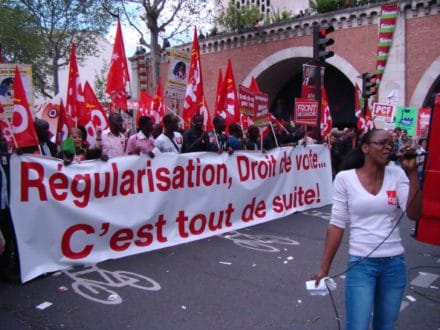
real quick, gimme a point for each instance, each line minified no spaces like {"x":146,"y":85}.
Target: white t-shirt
{"x":164,"y":144}
{"x":370,"y":217}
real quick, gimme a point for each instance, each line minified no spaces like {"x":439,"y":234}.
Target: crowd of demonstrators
{"x":153,"y":139}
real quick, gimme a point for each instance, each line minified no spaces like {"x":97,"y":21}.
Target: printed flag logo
{"x":392,"y":200}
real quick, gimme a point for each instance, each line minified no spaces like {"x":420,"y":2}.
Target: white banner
{"x":89,"y":212}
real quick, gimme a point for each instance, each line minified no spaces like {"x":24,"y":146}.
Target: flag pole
{"x":12,"y":133}
{"x":274,"y":136}
{"x":175,"y":113}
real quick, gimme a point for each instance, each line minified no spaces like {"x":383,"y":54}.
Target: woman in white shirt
{"x":366,"y":197}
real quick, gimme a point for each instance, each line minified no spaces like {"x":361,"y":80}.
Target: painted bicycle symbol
{"x":259,"y":242}
{"x":86,"y":285}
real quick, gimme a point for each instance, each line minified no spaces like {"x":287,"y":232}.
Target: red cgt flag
{"x":96,"y":117}
{"x":75,"y":97}
{"x":207,"y":121}
{"x":22,"y":124}
{"x":64,"y":126}
{"x":157,"y":111}
{"x":145,"y":104}
{"x":118,"y":72}
{"x":228,"y":100}
{"x":194,"y":98}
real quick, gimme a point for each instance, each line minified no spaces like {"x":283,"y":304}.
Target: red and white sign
{"x":383,"y":111}
{"x":89,"y":212}
{"x":261,"y":109}
{"x":423,"y":119}
{"x":306,"y":112}
{"x":246,"y":100}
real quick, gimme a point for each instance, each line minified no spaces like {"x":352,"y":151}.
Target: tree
{"x":279,"y":16}
{"x":237,"y":19}
{"x":52,"y":26}
{"x":164,"y":19}
{"x":100,"y":83}
{"x":324,"y":6}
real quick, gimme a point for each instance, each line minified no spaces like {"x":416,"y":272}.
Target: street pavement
{"x":250,"y":279}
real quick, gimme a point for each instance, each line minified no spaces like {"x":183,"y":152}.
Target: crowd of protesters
{"x":153,"y":139}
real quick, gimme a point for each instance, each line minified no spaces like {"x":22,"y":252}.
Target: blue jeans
{"x":374,"y":286}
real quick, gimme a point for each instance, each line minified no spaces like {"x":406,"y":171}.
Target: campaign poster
{"x":309,"y":81}
{"x":383,"y":111}
{"x":306,"y":112}
{"x":261,"y":109}
{"x":246,"y":101}
{"x":423,"y":119}
{"x":406,"y":118}
{"x":177,"y":74}
{"x":7,"y":74}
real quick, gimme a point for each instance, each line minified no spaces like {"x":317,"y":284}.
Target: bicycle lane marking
{"x":99,"y":290}
{"x":320,"y":214}
{"x":258,"y":242}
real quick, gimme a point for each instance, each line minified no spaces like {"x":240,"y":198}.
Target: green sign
{"x":406,"y":118}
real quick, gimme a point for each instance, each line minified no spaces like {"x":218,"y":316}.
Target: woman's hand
{"x":319,"y":276}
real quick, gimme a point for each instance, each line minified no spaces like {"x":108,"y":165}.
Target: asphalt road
{"x":254,"y":279}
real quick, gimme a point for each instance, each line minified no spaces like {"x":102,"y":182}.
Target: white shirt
{"x":370,"y":217}
{"x":164,"y":144}
{"x":112,"y":145}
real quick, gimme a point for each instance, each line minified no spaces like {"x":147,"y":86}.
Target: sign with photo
{"x":177,"y":74}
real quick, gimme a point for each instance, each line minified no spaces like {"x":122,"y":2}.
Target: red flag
{"x":6,"y":128}
{"x":228,"y":104}
{"x":326,"y":118}
{"x":365,"y":121}
{"x":145,"y":104}
{"x":64,"y":126}
{"x":118,"y":72}
{"x":75,"y":97}
{"x":22,"y":124}
{"x":207,"y":121}
{"x":219,"y":96}
{"x":157,"y":111}
{"x":97,"y":119}
{"x":254,"y":85}
{"x":194,"y":98}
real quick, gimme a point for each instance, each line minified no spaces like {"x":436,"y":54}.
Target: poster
{"x":177,"y":74}
{"x":406,"y":118}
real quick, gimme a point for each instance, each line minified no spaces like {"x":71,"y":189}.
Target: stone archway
{"x":280,"y":75}
{"x":301,"y":52}
{"x":425,"y":85}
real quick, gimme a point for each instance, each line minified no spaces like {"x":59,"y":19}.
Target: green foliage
{"x":238,"y":19}
{"x":40,"y":32}
{"x":324,"y":6}
{"x":277,"y":16}
{"x":100,"y":83}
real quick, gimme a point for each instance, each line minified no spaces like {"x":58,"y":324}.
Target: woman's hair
{"x":355,"y":158}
